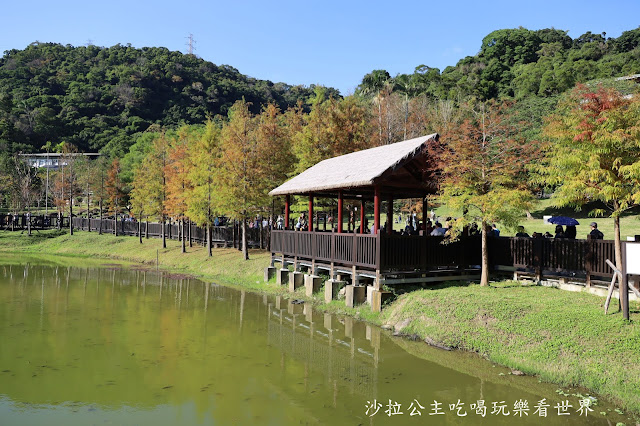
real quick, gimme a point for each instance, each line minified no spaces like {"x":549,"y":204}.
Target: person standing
{"x":595,"y":233}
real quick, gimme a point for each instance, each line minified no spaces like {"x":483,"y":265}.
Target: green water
{"x":107,"y":346}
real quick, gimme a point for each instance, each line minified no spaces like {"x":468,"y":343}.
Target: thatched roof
{"x":363,"y":169}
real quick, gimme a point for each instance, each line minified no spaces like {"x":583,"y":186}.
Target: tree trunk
{"x":146,"y":228}
{"x":245,"y":252}
{"x":617,"y":242}
{"x":484,"y":274}
{"x":190,"y":241}
{"x":88,"y":207}
{"x":209,"y":239}
{"x":29,"y":221}
{"x":164,"y":234}
{"x":70,"y":215}
{"x":140,"y":231}
{"x":184,"y":248}
{"x":100,"y":227}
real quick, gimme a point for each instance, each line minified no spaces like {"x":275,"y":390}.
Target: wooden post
{"x":537,"y":257}
{"x":287,"y":203}
{"x":589,"y":247}
{"x":390,"y":215}
{"x":310,"y":213}
{"x":425,"y":214}
{"x":362,"y":216}
{"x":340,"y":208}
{"x":376,"y":210}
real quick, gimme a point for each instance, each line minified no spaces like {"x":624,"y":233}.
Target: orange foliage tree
{"x":483,"y":171}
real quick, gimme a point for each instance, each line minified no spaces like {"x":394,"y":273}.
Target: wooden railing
{"x":395,"y":253}
{"x":229,"y":236}
{"x":342,"y":249}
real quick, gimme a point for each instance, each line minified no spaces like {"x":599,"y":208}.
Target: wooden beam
{"x":310,"y":229}
{"x":376,"y":211}
{"x":287,"y":203}
{"x":389,"y":215}
{"x":340,"y":209}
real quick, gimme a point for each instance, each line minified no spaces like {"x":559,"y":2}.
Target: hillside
{"x":520,"y":63}
{"x":99,"y":97}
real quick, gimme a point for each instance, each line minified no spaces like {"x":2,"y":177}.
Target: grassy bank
{"x":563,"y":337}
{"x":226,"y":266}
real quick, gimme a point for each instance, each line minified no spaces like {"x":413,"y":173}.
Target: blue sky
{"x":328,"y":42}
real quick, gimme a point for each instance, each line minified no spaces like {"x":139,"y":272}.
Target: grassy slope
{"x":226,"y":265}
{"x":564,"y":337}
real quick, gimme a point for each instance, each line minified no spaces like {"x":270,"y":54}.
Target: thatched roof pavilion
{"x":398,"y":168}
{"x":387,"y":172}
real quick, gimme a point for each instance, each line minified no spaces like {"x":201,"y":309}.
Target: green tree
{"x":594,"y":153}
{"x":204,"y":179}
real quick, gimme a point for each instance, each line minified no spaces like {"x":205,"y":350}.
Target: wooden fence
{"x":228,"y":236}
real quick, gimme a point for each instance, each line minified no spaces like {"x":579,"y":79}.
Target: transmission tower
{"x":191,"y":44}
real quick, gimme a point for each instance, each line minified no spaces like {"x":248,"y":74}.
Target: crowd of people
{"x":434,"y":227}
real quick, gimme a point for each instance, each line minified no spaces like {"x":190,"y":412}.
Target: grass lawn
{"x":564,"y":337}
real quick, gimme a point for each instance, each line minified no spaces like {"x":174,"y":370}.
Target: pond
{"x":116,"y":346}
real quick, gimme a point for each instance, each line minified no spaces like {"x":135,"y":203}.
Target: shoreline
{"x":558,"y":336}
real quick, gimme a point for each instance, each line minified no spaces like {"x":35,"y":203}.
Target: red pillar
{"x":389,"y":215}
{"x":310,"y":212}
{"x":287,"y":203}
{"x":376,"y":210}
{"x":340,"y":202}
{"x":362,"y":230}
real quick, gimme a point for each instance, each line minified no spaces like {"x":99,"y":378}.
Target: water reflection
{"x":85,"y":346}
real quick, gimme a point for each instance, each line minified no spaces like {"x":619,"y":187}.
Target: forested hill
{"x":101,"y":98}
{"x":520,"y":63}
{"x":98,"y":98}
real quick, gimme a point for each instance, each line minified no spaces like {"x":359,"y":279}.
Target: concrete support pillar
{"x":312,"y":284}
{"x":296,"y":280}
{"x":370,"y":290}
{"x":379,"y":297}
{"x":283,"y":276}
{"x":269,"y":272}
{"x":331,"y":289}
{"x":354,"y":295}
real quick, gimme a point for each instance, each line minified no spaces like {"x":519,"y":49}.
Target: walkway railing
{"x":410,"y":254}
{"x":229,"y":236}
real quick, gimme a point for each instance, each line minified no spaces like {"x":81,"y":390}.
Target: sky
{"x":326,"y":42}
